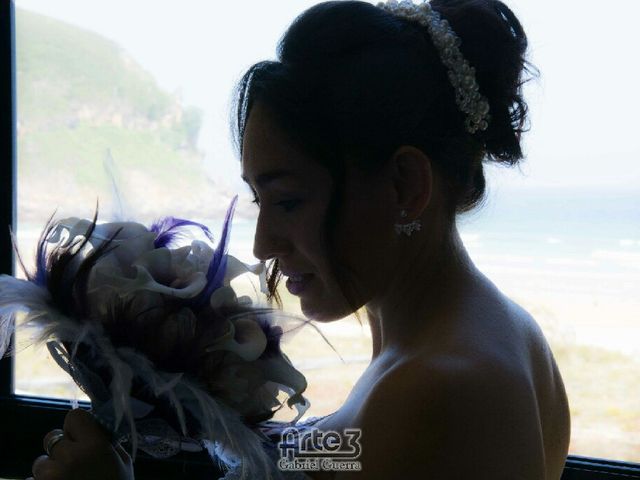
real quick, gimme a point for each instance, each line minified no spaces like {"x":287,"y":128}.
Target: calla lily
{"x":223,"y":297}
{"x":236,"y":268}
{"x":157,"y":318}
{"x":248,"y":340}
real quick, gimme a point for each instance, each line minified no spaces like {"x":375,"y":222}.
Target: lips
{"x":296,"y":278}
{"x":297,"y":282}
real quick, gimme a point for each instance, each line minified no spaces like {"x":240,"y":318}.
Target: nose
{"x":270,"y":241}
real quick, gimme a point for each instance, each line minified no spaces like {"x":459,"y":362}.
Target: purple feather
{"x":218,"y":264}
{"x":39,"y":277}
{"x":273,"y":334}
{"x":169,"y":228}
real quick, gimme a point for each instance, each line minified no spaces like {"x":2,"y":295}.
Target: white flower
{"x":132,"y":264}
{"x":244,"y":337}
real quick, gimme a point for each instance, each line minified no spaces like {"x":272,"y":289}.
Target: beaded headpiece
{"x":461,"y":75}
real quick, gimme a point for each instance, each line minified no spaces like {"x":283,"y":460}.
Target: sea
{"x":571,"y":256}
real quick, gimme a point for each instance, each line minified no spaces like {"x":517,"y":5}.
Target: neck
{"x":421,"y":296}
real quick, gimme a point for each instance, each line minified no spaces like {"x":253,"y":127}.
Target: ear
{"x":412,"y":180}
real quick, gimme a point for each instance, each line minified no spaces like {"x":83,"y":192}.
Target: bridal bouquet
{"x":148,"y":325}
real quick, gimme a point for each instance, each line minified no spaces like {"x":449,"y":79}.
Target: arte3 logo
{"x":314,"y":450}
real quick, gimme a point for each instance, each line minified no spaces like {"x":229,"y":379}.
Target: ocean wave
{"x":571,"y":262}
{"x":624,"y":259}
{"x":500,"y":258}
{"x":628,"y":242}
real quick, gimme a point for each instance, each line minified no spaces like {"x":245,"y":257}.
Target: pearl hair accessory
{"x":461,"y":75}
{"x":407,"y":228}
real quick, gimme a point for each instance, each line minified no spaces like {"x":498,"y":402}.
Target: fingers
{"x":46,"y":469}
{"x":83,"y":451}
{"x":79,"y":425}
{"x":51,"y":439}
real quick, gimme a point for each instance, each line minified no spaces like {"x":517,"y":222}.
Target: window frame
{"x":24,"y":420}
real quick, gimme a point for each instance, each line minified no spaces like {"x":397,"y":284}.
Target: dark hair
{"x":353,"y":81}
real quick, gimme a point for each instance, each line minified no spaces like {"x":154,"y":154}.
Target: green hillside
{"x":80,"y":96}
{"x":73,"y":68}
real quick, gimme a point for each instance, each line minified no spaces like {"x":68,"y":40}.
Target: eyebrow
{"x":264,"y":179}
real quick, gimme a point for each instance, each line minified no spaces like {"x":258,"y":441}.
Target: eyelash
{"x":287,"y":205}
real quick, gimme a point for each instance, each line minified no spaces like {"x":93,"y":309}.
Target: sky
{"x":584,"y":107}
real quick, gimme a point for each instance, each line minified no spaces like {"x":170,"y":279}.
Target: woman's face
{"x":293,"y":193}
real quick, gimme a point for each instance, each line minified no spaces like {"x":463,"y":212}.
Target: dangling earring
{"x":407,"y":228}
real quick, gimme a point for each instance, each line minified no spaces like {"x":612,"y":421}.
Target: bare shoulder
{"x":450,"y":418}
{"x":484,"y":400}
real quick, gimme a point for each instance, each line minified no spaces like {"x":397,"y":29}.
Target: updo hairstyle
{"x":353,"y":82}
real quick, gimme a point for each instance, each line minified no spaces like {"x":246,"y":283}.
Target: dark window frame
{"x":24,"y":420}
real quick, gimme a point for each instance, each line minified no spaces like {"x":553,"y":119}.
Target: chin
{"x":326,"y":313}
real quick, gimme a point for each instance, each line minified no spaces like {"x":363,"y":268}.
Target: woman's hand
{"x":84,"y":452}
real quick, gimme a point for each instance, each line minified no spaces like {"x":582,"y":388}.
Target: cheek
{"x":368,"y":244}
{"x":309,"y":242}
{"x":307,"y":229}
{"x":368,"y":219}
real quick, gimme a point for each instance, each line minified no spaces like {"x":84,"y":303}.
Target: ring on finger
{"x":51,"y":442}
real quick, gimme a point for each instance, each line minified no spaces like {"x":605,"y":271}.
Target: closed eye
{"x":255,"y":200}
{"x":288,"y":205}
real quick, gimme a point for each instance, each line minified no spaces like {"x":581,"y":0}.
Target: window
{"x":563,"y":238}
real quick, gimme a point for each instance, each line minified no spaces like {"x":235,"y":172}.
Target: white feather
{"x":235,"y":446}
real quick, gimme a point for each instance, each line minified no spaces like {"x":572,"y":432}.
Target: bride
{"x":362,"y":142}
